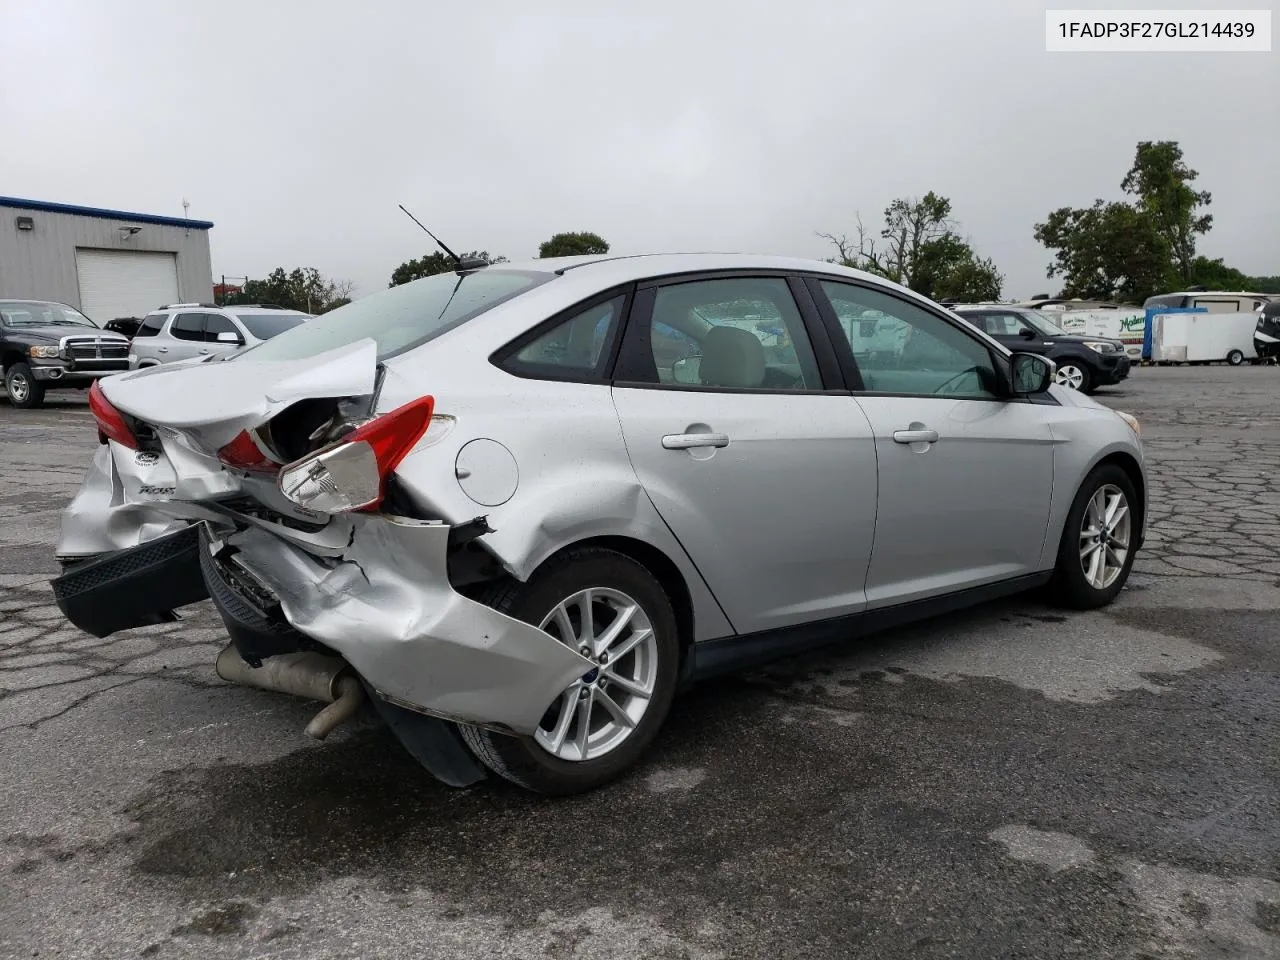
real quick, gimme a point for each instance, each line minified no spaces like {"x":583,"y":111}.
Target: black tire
{"x":521,"y":759}
{"x":1070,"y":587}
{"x":1235,"y":358}
{"x":25,"y":391}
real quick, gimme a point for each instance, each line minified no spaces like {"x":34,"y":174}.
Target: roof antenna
{"x":462,"y":264}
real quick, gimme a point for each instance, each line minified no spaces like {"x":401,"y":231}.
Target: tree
{"x":303,"y":288}
{"x":1131,"y":251}
{"x":1264,"y":284}
{"x":1161,"y":182}
{"x":433,"y":263}
{"x":920,"y":248}
{"x":1216,"y":275}
{"x":1109,"y":251}
{"x":573,"y":245}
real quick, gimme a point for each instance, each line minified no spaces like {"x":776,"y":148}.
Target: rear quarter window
{"x":151,"y":325}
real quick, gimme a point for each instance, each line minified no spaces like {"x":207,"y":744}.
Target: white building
{"x":106,"y":263}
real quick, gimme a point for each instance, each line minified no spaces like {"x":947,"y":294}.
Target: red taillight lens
{"x":352,"y":473}
{"x":111,"y":425}
{"x":243,"y":453}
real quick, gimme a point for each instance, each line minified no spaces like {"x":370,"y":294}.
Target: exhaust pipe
{"x":310,"y":675}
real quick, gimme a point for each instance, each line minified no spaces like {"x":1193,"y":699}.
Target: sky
{"x":297,"y":127}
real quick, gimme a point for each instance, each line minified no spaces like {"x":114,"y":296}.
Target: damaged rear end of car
{"x":266,"y":482}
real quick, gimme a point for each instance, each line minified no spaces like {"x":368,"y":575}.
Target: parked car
{"x":186,"y":331}
{"x":49,"y":346}
{"x":1266,"y":334}
{"x":520,"y":506}
{"x":1083,"y":363}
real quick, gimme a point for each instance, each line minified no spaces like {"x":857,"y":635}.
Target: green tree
{"x":302,"y":288}
{"x":1216,"y":275}
{"x":1161,"y":181}
{"x":919,"y":247}
{"x":1264,"y":284}
{"x":573,"y":245}
{"x":1109,"y":251}
{"x":433,"y":263}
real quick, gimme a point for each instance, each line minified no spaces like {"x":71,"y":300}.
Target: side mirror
{"x":228,"y":336}
{"x":1031,"y":374}
{"x":1026,"y":333}
{"x":687,"y":370}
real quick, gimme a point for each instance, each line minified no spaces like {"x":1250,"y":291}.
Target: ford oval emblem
{"x":145,"y":458}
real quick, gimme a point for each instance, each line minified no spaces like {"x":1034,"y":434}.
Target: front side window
{"x":577,"y":347}
{"x":215,"y":324}
{"x":188,"y":326}
{"x":264,"y":326}
{"x":740,"y":333}
{"x":904,"y":349}
{"x":402,"y":317}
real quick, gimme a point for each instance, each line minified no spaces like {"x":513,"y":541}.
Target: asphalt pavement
{"x":1007,"y":782}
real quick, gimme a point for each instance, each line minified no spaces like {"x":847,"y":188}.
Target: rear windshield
{"x":264,"y":326}
{"x":402,"y":317}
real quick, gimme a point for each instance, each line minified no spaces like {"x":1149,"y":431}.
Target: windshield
{"x":1043,"y":324}
{"x":25,"y":313}
{"x":403,"y":317}
{"x":264,"y":326}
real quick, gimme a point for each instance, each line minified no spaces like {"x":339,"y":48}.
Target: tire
{"x":1074,"y":375}
{"x":529,"y":760}
{"x":25,"y":391}
{"x":1071,"y":585}
{"x":1235,"y":358}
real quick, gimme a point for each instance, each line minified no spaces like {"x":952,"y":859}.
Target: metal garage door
{"x":125,"y":283}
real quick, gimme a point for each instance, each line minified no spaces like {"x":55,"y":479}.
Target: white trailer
{"x":1203,"y":337}
{"x":1127,"y":326}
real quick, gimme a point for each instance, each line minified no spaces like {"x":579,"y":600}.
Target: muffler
{"x":310,"y":675}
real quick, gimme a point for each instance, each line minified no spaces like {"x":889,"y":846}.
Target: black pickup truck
{"x":49,"y":346}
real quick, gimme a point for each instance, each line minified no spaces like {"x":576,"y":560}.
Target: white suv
{"x":182,"y":331}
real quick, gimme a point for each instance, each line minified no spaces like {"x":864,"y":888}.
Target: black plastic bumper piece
{"x":254,"y":620}
{"x":136,"y":587}
{"x":434,"y":743}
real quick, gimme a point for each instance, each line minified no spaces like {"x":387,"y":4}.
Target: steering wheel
{"x":944,"y":387}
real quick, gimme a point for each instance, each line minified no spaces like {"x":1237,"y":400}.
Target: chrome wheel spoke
{"x":630,"y":643}
{"x":1097,"y":563}
{"x":567,"y":634}
{"x":567,"y":705}
{"x":584,"y":722}
{"x":615,"y":711}
{"x":612,"y":632}
{"x":587,"y":624}
{"x":627,"y":684}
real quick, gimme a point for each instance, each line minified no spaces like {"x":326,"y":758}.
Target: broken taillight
{"x":243,"y":453}
{"x":351,"y":474}
{"x":111,"y":423}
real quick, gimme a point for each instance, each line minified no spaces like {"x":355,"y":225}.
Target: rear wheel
{"x":1074,"y":375}
{"x":1235,"y":358}
{"x":1096,"y":552}
{"x":612,"y":610}
{"x":24,"y":389}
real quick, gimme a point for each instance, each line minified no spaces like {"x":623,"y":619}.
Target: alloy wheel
{"x":1104,"y":536}
{"x":18,"y":388}
{"x":1069,"y":375}
{"x":600,"y":709}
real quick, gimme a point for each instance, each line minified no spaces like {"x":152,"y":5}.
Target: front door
{"x":965,"y":476}
{"x":768,"y":482}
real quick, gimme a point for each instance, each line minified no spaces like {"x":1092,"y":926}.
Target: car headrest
{"x":731,"y":357}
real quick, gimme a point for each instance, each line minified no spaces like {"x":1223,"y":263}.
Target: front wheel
{"x":1096,"y":551}
{"x":1074,"y":376}
{"x":611,"y":609}
{"x":25,"y":391}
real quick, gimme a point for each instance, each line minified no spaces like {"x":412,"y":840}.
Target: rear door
{"x":965,"y":476}
{"x":186,"y":337}
{"x":219,"y":325}
{"x":738,"y":426}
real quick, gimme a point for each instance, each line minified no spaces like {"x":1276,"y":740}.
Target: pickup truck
{"x":47,"y":346}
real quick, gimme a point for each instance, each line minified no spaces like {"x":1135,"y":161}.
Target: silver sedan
{"x":516,"y":508}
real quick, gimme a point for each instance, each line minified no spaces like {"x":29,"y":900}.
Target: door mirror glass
{"x":686,"y":370}
{"x":228,"y":336}
{"x":1026,"y":333}
{"x":1031,"y":374}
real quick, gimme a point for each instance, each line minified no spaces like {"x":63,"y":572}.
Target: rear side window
{"x":188,"y":326}
{"x":151,"y":325}
{"x":402,"y":317}
{"x":576,"y":348}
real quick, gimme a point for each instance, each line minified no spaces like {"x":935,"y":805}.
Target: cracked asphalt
{"x":1008,"y":782}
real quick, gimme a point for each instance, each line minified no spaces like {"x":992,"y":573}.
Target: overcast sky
{"x":698,"y":125}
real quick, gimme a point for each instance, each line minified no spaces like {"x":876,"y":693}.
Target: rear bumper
{"x":386,"y":606}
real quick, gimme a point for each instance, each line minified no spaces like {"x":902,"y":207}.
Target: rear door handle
{"x":687,"y":441}
{"x":915,"y":436}
{"x":163,"y":349}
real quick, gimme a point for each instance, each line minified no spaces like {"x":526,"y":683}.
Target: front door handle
{"x":915,"y":436}
{"x":687,"y":441}
{"x":163,"y":349}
